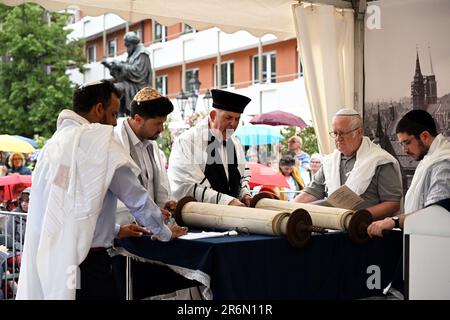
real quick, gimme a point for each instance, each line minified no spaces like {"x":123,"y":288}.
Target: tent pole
{"x":219,"y":62}
{"x":360,"y":9}
{"x":260,"y":74}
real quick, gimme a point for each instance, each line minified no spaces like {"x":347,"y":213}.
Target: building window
{"x":269,"y":68}
{"x":86,"y":26}
{"x":160,"y":33}
{"x":112,"y":48}
{"x":188,"y":29}
{"x":91,"y":54}
{"x":226,"y":75}
{"x":139,"y":34}
{"x":71,"y":19}
{"x":191,"y":73}
{"x":162,"y":85}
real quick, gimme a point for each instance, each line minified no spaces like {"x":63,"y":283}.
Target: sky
{"x":390,"y":52}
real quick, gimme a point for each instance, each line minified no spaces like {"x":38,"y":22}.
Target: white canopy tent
{"x":258,"y":17}
{"x":330,"y":39}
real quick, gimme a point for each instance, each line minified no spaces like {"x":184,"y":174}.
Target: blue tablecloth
{"x":268,"y":267}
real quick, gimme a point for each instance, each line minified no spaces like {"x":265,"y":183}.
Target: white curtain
{"x":325,"y":37}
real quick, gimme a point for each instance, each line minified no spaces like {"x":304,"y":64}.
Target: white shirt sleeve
{"x":127,"y":188}
{"x":437,"y":181}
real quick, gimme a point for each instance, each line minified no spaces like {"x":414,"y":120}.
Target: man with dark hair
{"x":137,"y":134}
{"x":132,"y":74}
{"x":417,"y":133}
{"x":88,"y":95}
{"x":81,"y":173}
{"x":207,"y":162}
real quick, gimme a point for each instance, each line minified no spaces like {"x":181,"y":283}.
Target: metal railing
{"x":12,"y":235}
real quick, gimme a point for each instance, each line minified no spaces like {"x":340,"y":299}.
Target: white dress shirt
{"x":145,"y":163}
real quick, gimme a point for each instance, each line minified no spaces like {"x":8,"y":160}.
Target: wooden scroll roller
{"x":297,"y":226}
{"x":355,"y":222}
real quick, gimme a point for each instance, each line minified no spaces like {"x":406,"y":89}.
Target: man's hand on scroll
{"x":131,"y":230}
{"x":166,"y":214}
{"x":171,"y":205}
{"x":246,"y":199}
{"x":177,"y":231}
{"x":376,"y":228}
{"x":236,"y":202}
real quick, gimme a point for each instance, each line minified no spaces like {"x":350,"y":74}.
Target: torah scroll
{"x":355,"y":222}
{"x":296,"y":224}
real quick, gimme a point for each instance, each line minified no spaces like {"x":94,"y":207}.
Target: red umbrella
{"x":279,"y":118}
{"x":264,"y":175}
{"x":13,"y":185}
{"x":15,"y":179}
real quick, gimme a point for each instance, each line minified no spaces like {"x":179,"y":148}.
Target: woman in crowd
{"x":314,"y":164}
{"x":17,"y":164}
{"x":288,"y":169}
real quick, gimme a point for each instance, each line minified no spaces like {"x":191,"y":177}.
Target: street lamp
{"x":194,"y":85}
{"x":181,"y":101}
{"x":207,"y":99}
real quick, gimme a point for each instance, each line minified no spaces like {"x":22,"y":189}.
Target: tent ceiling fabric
{"x":259,"y":17}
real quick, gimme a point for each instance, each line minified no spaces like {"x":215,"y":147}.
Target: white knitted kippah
{"x":92,"y":83}
{"x":347,"y":112}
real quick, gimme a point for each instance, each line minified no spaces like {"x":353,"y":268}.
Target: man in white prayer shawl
{"x":361,"y":165}
{"x":207,"y":162}
{"x":80,"y":173}
{"x":417,"y":133}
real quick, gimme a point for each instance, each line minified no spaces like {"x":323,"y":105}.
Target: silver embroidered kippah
{"x":347,"y":112}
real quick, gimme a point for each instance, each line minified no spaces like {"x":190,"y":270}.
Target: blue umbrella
{"x":30,"y":141}
{"x":253,"y":135}
{"x":35,"y":155}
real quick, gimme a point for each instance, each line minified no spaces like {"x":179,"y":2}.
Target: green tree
{"x":35,"y":55}
{"x":308,"y":136}
{"x":168,"y":136}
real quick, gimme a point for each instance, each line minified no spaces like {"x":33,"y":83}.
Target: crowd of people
{"x":78,"y":193}
{"x":13,"y":163}
{"x":12,"y":231}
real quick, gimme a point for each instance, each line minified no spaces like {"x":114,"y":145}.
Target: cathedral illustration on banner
{"x":381,"y":118}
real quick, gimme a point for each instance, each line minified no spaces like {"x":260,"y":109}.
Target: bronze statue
{"x":132,"y":74}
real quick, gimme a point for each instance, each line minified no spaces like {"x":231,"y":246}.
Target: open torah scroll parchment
{"x":343,"y":198}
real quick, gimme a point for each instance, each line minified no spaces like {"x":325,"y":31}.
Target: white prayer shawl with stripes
{"x":187,"y":164}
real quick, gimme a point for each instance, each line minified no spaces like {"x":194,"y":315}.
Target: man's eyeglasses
{"x":335,"y":134}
